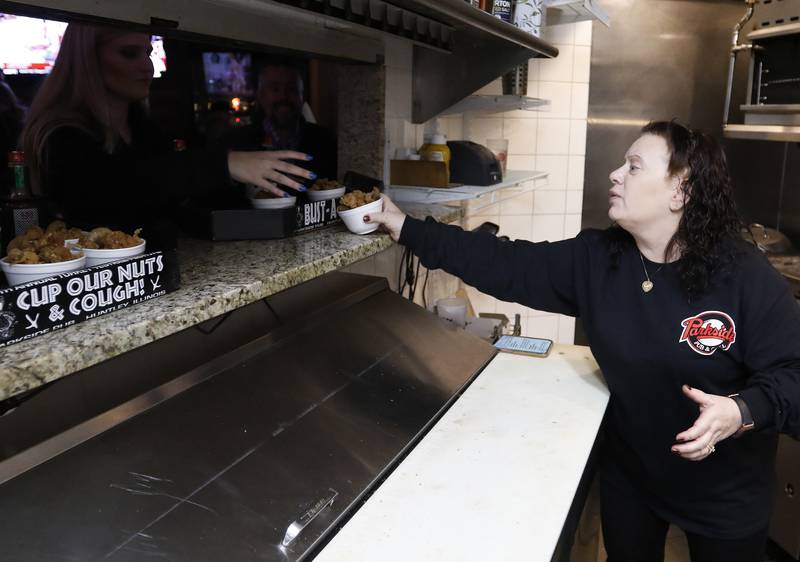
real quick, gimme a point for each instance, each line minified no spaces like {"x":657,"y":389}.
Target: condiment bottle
{"x":437,"y":151}
{"x":20,"y":210}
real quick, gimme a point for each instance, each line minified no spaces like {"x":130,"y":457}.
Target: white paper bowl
{"x":96,"y":257}
{"x":324,"y":194}
{"x":19,"y":273}
{"x":354,"y":218}
{"x":275,"y":203}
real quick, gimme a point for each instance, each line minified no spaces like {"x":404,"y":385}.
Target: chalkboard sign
{"x":40,"y":307}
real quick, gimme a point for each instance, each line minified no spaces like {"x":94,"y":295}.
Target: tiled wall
{"x":553,"y":141}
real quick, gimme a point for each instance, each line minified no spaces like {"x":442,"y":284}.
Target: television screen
{"x":228,"y":74}
{"x":30,"y":45}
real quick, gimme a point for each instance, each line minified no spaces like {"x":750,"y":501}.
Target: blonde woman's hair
{"x":73,"y":95}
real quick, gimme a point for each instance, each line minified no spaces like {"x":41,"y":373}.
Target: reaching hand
{"x":719,"y":419}
{"x":391,"y":218}
{"x":267,"y":169}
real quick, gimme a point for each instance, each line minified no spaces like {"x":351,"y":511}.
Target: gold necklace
{"x":647,"y":285}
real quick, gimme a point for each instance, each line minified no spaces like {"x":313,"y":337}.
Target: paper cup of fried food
{"x":325,"y":189}
{"x":355,"y":205}
{"x":24,"y":266}
{"x":103,"y":245}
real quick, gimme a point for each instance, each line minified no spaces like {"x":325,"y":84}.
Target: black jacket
{"x":648,"y":345}
{"x":136,"y":186}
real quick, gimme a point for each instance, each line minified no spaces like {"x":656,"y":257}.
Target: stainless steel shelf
{"x":497,"y":104}
{"x":417,"y":194}
{"x":571,"y":11}
{"x":762,"y":132}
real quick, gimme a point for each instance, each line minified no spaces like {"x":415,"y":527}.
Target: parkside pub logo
{"x":708,"y":331}
{"x":34,"y":309}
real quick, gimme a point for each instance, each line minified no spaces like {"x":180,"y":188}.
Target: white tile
{"x":574,"y":201}
{"x":521,"y":135}
{"x":479,"y":208}
{"x":579,"y":108}
{"x":387,"y":264}
{"x":494,"y":88}
{"x":552,"y":136}
{"x":521,"y":162}
{"x":410,"y":135}
{"x":542,"y":327}
{"x":398,"y":93}
{"x":575,"y":172}
{"x":548,"y":227}
{"x":582,"y":63}
{"x":533,"y":69}
{"x":572,"y":225}
{"x":550,"y":202}
{"x":521,"y":204}
{"x":512,"y":308}
{"x":556,"y":168}
{"x":566,"y":329}
{"x":558,"y":69}
{"x":516,"y":227}
{"x":455,"y":127}
{"x":577,"y":136}
{"x":480,"y":129}
{"x":481,"y":302}
{"x":563,"y":34}
{"x":560,"y":96}
{"x":583,"y":33}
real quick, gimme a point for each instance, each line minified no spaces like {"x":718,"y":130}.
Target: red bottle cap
{"x":16,"y":157}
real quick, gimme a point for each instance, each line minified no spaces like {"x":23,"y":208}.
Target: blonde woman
{"x":95,"y":154}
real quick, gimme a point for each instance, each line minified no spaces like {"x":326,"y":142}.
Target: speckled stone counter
{"x":216,"y":277}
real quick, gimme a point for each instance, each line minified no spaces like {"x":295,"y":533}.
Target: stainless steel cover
{"x":284,"y":435}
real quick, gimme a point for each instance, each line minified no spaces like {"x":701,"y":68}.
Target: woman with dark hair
{"x":698,"y":338}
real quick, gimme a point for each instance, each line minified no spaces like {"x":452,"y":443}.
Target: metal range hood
{"x":457,"y":48}
{"x":772,"y":104}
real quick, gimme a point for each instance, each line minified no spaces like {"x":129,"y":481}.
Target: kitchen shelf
{"x":415,"y":194}
{"x":571,"y":11}
{"x":497,"y":104}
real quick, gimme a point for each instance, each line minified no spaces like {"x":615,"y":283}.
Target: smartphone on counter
{"x":522,"y":345}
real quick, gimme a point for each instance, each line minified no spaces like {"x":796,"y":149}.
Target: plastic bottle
{"x":437,"y":151}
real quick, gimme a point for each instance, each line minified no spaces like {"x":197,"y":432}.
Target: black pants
{"x":632,"y":532}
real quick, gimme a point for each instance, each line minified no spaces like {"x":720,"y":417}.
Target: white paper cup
{"x":96,"y":257}
{"x":453,"y":310}
{"x":353,"y":219}
{"x":273,"y":203}
{"x":323,"y":194}
{"x":19,"y":273}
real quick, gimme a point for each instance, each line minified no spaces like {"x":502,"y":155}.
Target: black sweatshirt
{"x":742,"y":336}
{"x":138,"y":185}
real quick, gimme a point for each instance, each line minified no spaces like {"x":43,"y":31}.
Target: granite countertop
{"x":216,"y":277}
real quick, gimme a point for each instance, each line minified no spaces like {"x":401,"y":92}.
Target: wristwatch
{"x":747,"y":417}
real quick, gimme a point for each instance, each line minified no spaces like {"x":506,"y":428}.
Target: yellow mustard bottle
{"x":437,"y":151}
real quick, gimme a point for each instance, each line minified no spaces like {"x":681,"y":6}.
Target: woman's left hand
{"x":719,"y":419}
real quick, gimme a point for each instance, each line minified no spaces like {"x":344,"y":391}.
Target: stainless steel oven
{"x":771,"y":105}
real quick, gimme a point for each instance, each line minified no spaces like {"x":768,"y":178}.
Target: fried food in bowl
{"x":355,"y":205}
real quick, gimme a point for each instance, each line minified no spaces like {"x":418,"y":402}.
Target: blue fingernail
{"x":312,"y":176}
{"x":301,"y":188}
{"x":309,"y":157}
{"x":286,"y":195}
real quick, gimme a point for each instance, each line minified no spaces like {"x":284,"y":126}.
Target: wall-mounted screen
{"x":30,"y":45}
{"x":228,"y":74}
